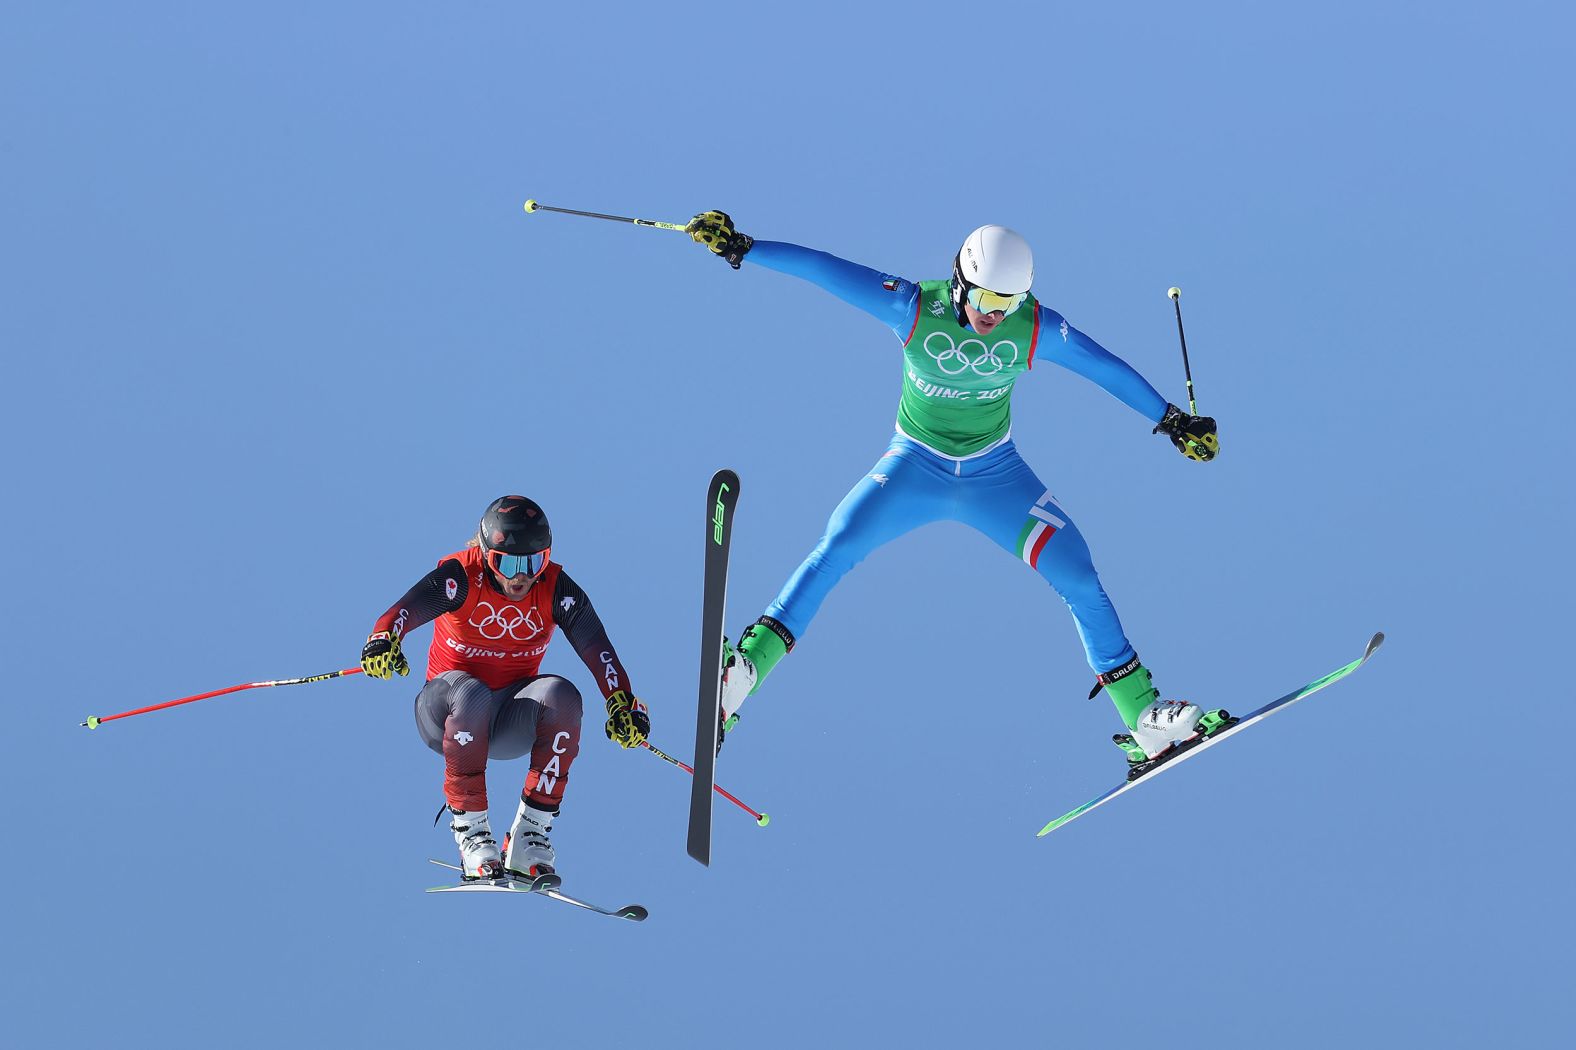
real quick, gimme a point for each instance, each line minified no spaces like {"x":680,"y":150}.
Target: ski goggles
{"x":988,"y":302}
{"x":511,"y":565}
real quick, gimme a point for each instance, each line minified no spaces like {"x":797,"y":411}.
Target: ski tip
{"x":1373,"y":644}
{"x":1052,"y":826}
{"x":1069,"y":817}
{"x":633,"y":912}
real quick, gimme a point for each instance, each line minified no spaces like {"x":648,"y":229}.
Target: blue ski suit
{"x":992,"y":490}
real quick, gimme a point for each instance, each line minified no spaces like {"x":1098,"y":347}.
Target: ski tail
{"x":721,"y":498}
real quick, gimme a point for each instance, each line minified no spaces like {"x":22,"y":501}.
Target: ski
{"x":721,"y":498}
{"x":1228,"y":727}
{"x":507,"y":884}
{"x":632,"y":912}
{"x":545,"y":885}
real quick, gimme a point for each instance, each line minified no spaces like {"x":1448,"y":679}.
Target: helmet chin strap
{"x":959,"y":292}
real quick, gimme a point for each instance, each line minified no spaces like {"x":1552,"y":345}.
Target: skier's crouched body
{"x":494,"y":607}
{"x":467,"y":722}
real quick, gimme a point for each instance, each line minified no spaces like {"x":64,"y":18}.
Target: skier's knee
{"x":432,"y":711}
{"x":1078,"y":586}
{"x":561,"y":701}
{"x":835,"y":555}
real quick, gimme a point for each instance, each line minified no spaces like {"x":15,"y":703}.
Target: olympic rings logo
{"x":954,"y":358}
{"x":495,"y":623}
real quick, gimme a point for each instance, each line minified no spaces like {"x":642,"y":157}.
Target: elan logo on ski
{"x":718,"y":515}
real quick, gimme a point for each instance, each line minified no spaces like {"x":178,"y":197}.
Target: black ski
{"x":721,"y":498}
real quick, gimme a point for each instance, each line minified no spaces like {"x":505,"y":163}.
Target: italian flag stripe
{"x":1023,"y":536}
{"x":1032,"y":540}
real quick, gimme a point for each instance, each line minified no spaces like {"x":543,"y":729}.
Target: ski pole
{"x":95,"y":721}
{"x":532,"y":206}
{"x":762,"y":819}
{"x":1176,"y":299}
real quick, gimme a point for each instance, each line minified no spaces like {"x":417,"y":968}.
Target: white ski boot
{"x":1164,"y":724}
{"x":738,"y":679}
{"x":479,"y":857}
{"x":527,"y":852}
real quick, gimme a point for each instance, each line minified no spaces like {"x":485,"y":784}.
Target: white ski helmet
{"x":996,"y":259}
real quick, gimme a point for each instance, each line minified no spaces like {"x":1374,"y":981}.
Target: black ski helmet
{"x":515,"y":525}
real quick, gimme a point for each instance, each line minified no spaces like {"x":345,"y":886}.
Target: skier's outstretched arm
{"x":1193,"y":436}
{"x":1076,"y":352}
{"x":629,"y":722}
{"x":441,"y":590}
{"x":890,"y":300}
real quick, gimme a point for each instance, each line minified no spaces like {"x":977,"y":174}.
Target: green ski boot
{"x":1129,"y":688}
{"x":1158,"y":727}
{"x":745,"y":667}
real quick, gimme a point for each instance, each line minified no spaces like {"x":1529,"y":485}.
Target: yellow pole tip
{"x":763,"y":820}
{"x":1172,"y":292}
{"x":530,"y":206}
{"x":92,"y":722}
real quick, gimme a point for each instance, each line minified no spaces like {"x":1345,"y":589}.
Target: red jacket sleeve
{"x":441,"y":590}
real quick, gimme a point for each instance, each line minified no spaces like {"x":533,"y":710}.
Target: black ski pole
{"x":1176,"y":298}
{"x":532,"y":207}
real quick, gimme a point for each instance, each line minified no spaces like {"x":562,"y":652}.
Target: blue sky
{"x":276,"y":329}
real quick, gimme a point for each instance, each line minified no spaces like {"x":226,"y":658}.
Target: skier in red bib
{"x":494,"y":606}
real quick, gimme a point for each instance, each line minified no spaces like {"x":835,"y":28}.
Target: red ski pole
{"x":95,"y":721}
{"x":760,"y":818}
